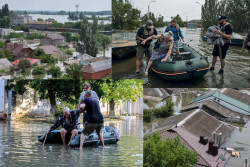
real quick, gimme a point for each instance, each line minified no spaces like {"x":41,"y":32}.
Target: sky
{"x":58,"y":5}
{"x":187,"y":9}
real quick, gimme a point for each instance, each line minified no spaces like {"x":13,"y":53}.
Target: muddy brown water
{"x":19,"y":146}
{"x":235,"y":74}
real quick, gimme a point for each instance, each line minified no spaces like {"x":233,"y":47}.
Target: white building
{"x":19,"y":19}
{"x":5,"y":31}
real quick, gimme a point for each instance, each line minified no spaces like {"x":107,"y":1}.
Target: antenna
{"x":77,"y":6}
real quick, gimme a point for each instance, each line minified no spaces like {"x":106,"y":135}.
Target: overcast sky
{"x":187,"y":9}
{"x":57,"y":5}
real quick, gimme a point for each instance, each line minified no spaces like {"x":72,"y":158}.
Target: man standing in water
{"x":94,"y":117}
{"x":226,"y":33}
{"x":86,"y":87}
{"x":142,"y":34}
{"x":175,"y":28}
{"x":68,"y":121}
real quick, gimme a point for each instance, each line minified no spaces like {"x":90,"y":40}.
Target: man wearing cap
{"x":68,"y":121}
{"x":226,"y":33}
{"x":86,"y":87}
{"x":175,"y":28}
{"x":142,"y":34}
{"x":94,"y":117}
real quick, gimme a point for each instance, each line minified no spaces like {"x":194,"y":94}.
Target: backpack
{"x":158,"y":42}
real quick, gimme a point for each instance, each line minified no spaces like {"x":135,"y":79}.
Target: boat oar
{"x":45,"y":139}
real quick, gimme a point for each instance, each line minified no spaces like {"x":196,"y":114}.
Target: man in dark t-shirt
{"x":94,"y":117}
{"x":221,"y":51}
{"x":143,"y":33}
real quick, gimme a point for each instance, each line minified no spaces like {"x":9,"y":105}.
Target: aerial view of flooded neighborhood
{"x":210,"y":127}
{"x":57,"y":42}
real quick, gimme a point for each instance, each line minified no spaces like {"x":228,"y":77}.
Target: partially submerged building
{"x":156,"y":94}
{"x":227,"y":105}
{"x":199,"y":132}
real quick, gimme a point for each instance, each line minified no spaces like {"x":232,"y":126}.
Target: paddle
{"x":45,"y":139}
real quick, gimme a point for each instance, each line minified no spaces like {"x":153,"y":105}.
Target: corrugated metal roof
{"x":226,"y":101}
{"x":191,"y":141}
{"x":243,"y":97}
{"x":97,"y":65}
{"x":197,"y":122}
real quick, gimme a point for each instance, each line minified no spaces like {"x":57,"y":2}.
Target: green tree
{"x":124,"y":16}
{"x":104,"y":41}
{"x":67,"y":35}
{"x":23,"y":64}
{"x":39,"y":53}
{"x":2,"y":44}
{"x":40,"y":19}
{"x":54,"y":71}
{"x":179,"y":20}
{"x":64,"y":90}
{"x":69,"y":52}
{"x":74,"y":71}
{"x":210,"y":11}
{"x":5,"y":22}
{"x":7,"y":54}
{"x":88,"y":38}
{"x":48,"y":59}
{"x":14,"y":35}
{"x":38,"y":71}
{"x":117,"y":91}
{"x":157,"y":152}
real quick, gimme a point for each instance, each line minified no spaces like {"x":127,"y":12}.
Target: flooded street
{"x":235,"y":69}
{"x":19,"y":146}
{"x":179,"y":101}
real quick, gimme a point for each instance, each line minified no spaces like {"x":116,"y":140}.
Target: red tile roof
{"x":191,"y":141}
{"x":32,"y":61}
{"x":49,"y":49}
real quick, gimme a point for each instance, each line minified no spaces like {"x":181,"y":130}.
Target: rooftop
{"x":191,"y":141}
{"x":55,"y":37}
{"x":49,"y":49}
{"x":197,"y":122}
{"x":32,"y":61}
{"x":97,"y":64}
{"x":5,"y":64}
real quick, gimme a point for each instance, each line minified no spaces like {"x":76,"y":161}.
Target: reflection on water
{"x":19,"y":147}
{"x":235,"y":70}
{"x":179,"y":101}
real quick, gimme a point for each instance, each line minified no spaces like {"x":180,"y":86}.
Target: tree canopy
{"x":157,"y":152}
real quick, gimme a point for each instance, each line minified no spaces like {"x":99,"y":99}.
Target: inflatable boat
{"x":189,"y":64}
{"x":111,"y":135}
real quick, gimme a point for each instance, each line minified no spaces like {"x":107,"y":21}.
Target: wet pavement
{"x":19,"y":146}
{"x":236,"y":68}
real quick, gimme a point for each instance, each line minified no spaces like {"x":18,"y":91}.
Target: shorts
{"x":141,"y":51}
{"x":90,"y":127}
{"x":176,"y":45}
{"x":223,"y":50}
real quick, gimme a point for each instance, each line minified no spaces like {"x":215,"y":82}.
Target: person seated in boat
{"x":68,"y":121}
{"x":162,"y":49}
{"x":94,"y":117}
{"x":175,"y":28}
{"x":86,"y":87}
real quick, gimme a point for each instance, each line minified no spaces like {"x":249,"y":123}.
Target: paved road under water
{"x":19,"y":147}
{"x":234,"y":75}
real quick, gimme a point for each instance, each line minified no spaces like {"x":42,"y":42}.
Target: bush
{"x":55,"y":71}
{"x":48,"y":59}
{"x":39,"y":52}
{"x":23,"y":64}
{"x":14,"y":35}
{"x":69,"y":52}
{"x":2,"y":43}
{"x":157,"y":152}
{"x":164,"y":111}
{"x":2,"y":71}
{"x":38,"y":71}
{"x":35,"y":35}
{"x":147,"y":115}
{"x":6,"y":54}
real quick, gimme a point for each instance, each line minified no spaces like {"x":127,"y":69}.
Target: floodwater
{"x":64,"y":18}
{"x":19,"y":146}
{"x":179,"y":101}
{"x":235,"y":74}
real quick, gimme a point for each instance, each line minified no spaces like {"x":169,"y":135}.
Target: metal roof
{"x":96,"y":65}
{"x":226,"y":101}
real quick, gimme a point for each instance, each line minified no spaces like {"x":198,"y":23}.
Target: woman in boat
{"x":162,"y":49}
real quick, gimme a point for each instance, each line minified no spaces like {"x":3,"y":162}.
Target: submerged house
{"x":199,"y":132}
{"x":227,"y":105}
{"x":156,"y":94}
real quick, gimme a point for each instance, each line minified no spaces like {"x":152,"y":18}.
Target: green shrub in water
{"x":147,"y":115}
{"x":164,"y":111}
{"x":157,"y":152}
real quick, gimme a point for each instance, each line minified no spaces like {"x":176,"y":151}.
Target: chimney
{"x":214,"y":135}
{"x":219,"y":142}
{"x":203,"y":140}
{"x":212,"y":148}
